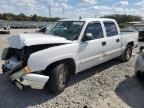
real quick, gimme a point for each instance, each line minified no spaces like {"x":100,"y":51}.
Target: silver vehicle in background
{"x":139,"y":66}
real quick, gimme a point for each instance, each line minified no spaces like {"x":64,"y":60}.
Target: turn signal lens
{"x":26,"y":70}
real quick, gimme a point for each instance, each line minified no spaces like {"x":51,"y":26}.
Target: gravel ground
{"x":109,"y":85}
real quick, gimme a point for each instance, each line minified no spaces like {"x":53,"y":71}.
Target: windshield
{"x":67,"y":29}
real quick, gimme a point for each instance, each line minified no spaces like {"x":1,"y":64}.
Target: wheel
{"x":127,"y":54}
{"x":59,"y":76}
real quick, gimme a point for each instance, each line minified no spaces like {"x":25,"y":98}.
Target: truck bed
{"x":129,"y":37}
{"x":127,"y":32}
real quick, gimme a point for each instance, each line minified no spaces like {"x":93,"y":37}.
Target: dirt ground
{"x":109,"y":85}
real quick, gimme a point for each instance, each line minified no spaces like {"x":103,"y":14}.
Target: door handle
{"x":103,"y":43}
{"x":118,"y":40}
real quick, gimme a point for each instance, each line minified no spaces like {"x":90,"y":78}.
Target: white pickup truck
{"x":69,"y":47}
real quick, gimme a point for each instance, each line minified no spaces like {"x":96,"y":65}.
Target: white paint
{"x":85,"y":54}
{"x":21,"y":40}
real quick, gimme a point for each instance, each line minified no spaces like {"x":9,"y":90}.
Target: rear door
{"x":113,"y":40}
{"x":91,"y":51}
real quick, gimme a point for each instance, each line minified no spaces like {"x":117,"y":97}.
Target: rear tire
{"x":126,"y":56}
{"x":59,"y":76}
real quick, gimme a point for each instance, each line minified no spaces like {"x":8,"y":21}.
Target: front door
{"x":91,"y":51}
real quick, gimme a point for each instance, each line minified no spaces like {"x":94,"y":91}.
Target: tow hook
{"x":19,"y":85}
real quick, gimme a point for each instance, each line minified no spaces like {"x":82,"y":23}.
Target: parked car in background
{"x":46,"y":28}
{"x":68,"y":47}
{"x":42,"y":30}
{"x":5,"y":30}
{"x":6,"y":27}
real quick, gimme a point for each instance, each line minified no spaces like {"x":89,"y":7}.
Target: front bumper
{"x":36,"y":81}
{"x":22,"y":75}
{"x":25,"y":77}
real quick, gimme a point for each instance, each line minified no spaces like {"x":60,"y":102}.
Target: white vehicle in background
{"x":71,"y":46}
{"x":5,"y":30}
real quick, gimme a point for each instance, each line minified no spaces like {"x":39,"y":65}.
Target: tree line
{"x":23,"y":17}
{"x":121,"y":19}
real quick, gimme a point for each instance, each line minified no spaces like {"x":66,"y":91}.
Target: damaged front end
{"x":12,"y":59}
{"x":16,"y":67}
{"x":16,"y":59}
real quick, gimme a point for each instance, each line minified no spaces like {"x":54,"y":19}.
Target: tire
{"x":59,"y":76}
{"x":126,"y":56}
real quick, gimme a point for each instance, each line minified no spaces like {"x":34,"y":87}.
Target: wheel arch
{"x":131,"y":43}
{"x":70,"y":61}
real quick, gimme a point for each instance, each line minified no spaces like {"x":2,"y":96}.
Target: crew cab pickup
{"x":69,"y":47}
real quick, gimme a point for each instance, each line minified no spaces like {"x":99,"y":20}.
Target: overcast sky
{"x":73,"y":8}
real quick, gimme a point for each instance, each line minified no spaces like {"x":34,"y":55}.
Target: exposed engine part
{"x":8,"y":53}
{"x":12,"y":65}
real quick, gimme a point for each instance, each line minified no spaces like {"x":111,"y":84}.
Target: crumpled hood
{"x":21,"y":40}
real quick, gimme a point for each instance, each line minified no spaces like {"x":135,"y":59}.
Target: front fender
{"x":39,"y":61}
{"x":39,"y":64}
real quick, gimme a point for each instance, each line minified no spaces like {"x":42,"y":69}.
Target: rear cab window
{"x":111,"y":29}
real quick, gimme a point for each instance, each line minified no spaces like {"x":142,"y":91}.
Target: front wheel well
{"x":69,"y":61}
{"x":131,"y":44}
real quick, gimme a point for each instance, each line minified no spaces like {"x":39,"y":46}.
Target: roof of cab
{"x":89,"y":19}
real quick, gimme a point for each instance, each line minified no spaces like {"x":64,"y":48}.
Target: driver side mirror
{"x":88,"y":36}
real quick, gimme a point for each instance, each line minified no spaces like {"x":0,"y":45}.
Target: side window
{"x":95,"y":29}
{"x":111,"y":29}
